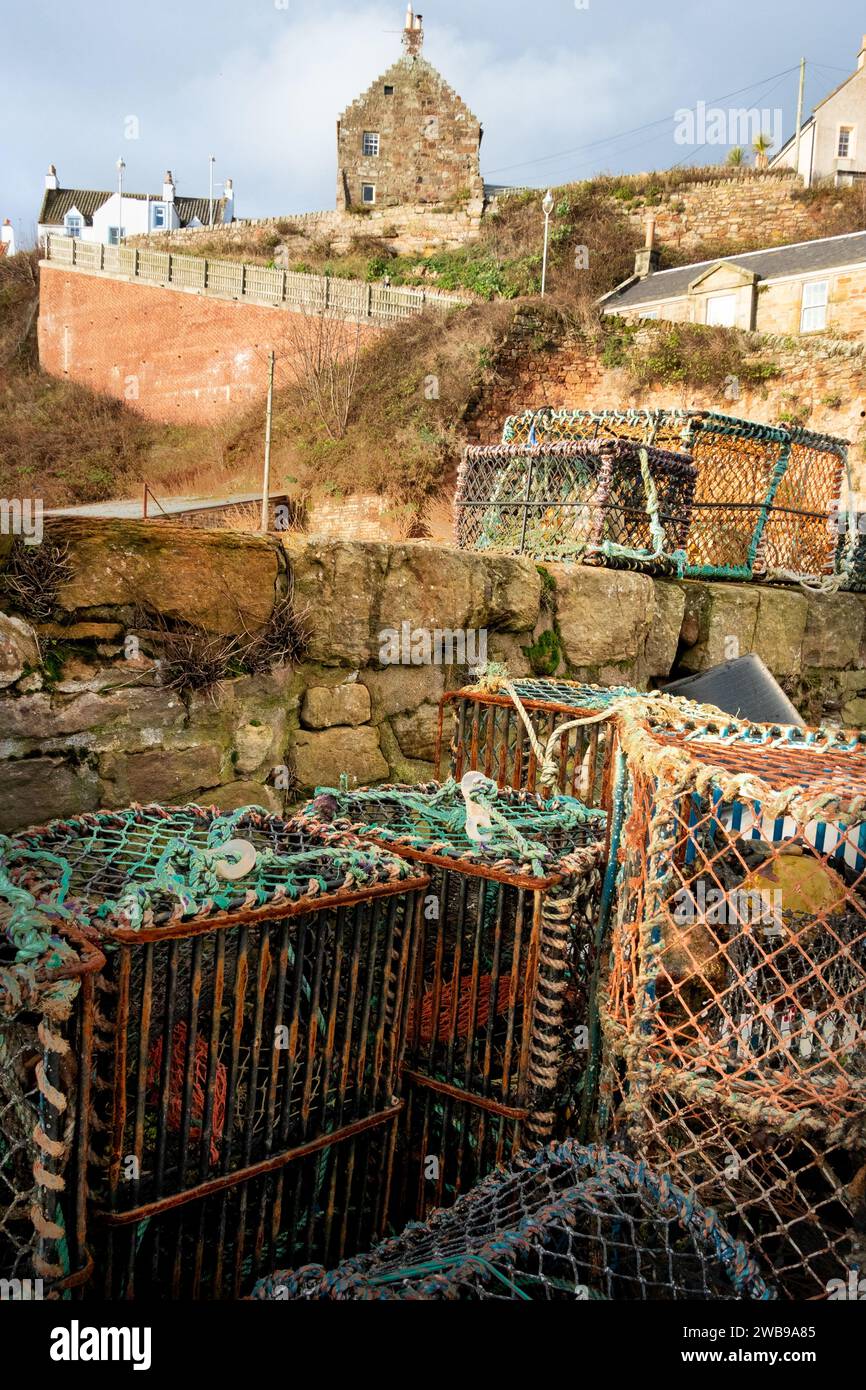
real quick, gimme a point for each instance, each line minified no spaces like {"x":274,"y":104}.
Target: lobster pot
{"x":764,"y":494}
{"x":851,"y":551}
{"x":600,"y":501}
{"x":480,"y":729}
{"x":494,"y":1052}
{"x":734,"y":1012}
{"x":44,"y":1084}
{"x":567,"y":1223}
{"x":242,"y":1023}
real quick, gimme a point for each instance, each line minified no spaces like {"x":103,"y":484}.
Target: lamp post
{"x":120,"y":168}
{"x":547,"y":205}
{"x":211,"y":162}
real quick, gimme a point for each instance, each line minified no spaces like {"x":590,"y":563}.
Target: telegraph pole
{"x":266,"y":482}
{"x":800,"y":117}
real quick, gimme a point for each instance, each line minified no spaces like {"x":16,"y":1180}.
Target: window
{"x":813,"y":316}
{"x":371,"y":143}
{"x":73,"y":225}
{"x":845,"y":141}
{"x":649,"y":314}
{"x":722,"y":310}
{"x":158,"y":215}
{"x":389,"y":91}
{"x":368,"y":193}
{"x":116,"y":235}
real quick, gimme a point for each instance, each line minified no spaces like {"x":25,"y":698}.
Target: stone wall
{"x":821,"y":380}
{"x":87,"y":718}
{"x":175,"y":356}
{"x":747,"y":207}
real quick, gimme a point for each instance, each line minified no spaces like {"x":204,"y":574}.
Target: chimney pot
{"x":650,"y":239}
{"x":861,"y":56}
{"x":51,"y":180}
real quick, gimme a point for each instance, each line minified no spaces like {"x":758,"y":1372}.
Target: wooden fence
{"x":350,"y":299}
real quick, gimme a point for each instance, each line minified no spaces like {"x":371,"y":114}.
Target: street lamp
{"x":120,"y":168}
{"x":211,"y":162}
{"x":548,"y":206}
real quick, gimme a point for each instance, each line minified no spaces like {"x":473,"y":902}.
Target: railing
{"x":347,"y":298}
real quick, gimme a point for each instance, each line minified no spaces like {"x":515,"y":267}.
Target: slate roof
{"x":58,"y":201}
{"x":801,"y":258}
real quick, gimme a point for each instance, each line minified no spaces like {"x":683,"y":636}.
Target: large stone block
{"x":417,"y":733}
{"x":834,"y":628}
{"x":780,"y":628}
{"x":167,"y":775}
{"x":18,"y":649}
{"x":664,"y":634}
{"x":603,"y":615}
{"x":398,"y":689}
{"x":322,"y":758}
{"x":327,"y":707}
{"x":233,"y":795}
{"x":725,"y":617}
{"x":223,"y":581}
{"x":35,"y":790}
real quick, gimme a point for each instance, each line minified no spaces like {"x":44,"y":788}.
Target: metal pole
{"x":210,"y":186}
{"x":120,"y":202}
{"x":266,"y":482}
{"x":544,"y":266}
{"x":800,"y":118}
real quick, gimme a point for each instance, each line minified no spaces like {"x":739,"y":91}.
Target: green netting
{"x":765,"y":493}
{"x":567,"y":1223}
{"x":471,"y":821}
{"x":146,"y":866}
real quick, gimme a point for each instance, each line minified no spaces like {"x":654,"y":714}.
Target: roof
{"x":57,"y":202}
{"x":405,"y":67}
{"x":800,"y":258}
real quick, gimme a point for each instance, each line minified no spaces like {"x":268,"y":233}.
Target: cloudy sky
{"x":564,"y":88}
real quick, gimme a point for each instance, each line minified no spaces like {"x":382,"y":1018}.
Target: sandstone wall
{"x":176,"y":356}
{"x":747,"y":206}
{"x":87,"y":720}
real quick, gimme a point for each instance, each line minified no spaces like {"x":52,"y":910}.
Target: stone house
{"x":110,"y":217}
{"x":833,"y":139}
{"x":409,"y":139}
{"x":808,"y":287}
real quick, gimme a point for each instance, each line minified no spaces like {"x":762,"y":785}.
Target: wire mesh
{"x":488,"y":735}
{"x":44,"y":1087}
{"x":734,"y":1012}
{"x":251,"y":1011}
{"x":567,"y":1223}
{"x":606,"y":502}
{"x":764,"y":494}
{"x":494,"y":1058}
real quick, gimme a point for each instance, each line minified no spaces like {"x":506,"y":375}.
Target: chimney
{"x":168,"y":187}
{"x":51,"y":177}
{"x":861,"y":56}
{"x":647,"y":259}
{"x":413,"y":33}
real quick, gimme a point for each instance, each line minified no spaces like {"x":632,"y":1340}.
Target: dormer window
{"x":371,"y":144}
{"x":73,"y":224}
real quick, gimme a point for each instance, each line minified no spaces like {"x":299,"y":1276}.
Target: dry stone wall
{"x":88,"y":720}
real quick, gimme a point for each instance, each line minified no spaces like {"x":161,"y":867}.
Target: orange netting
{"x":734,"y":1013}
{"x":176,"y":1085}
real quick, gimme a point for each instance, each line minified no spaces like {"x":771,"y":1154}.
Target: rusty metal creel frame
{"x":45,"y":1058}
{"x":734,"y":1007}
{"x":501,"y":978}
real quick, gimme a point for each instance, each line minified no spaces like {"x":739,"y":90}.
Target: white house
{"x":7,"y":238}
{"x":111,"y":217}
{"x":833,"y":139}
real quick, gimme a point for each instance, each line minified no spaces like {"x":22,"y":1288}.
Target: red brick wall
{"x":176,"y":357}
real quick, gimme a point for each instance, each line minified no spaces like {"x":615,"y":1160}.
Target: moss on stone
{"x":545,"y":654}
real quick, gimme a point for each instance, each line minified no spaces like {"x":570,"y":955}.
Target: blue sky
{"x":260,"y":83}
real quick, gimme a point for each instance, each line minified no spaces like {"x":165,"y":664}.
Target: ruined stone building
{"x":409,"y":139}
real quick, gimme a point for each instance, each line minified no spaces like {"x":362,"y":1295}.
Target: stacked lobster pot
{"x":496,"y":1040}
{"x":568,"y":1222}
{"x":765,"y":497}
{"x":734,"y":1010}
{"x":248,"y":1027}
{"x":605,"y":501}
{"x":541,"y":735}
{"x":46,"y":969}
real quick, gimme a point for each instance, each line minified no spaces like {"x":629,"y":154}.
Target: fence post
{"x":369,"y":301}
{"x":327,"y":291}
{"x":243,"y":279}
{"x":135,"y":270}
{"x":168,"y":270}
{"x":285,"y":291}
{"x":102,"y":255}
